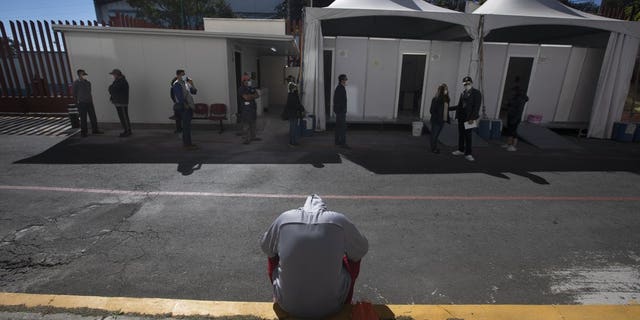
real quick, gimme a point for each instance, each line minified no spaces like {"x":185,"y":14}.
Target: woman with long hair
{"x":439,"y":114}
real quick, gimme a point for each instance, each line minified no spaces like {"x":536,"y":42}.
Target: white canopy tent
{"x":549,"y":21}
{"x":405,"y":19}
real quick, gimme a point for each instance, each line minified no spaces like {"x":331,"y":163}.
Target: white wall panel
{"x":382,"y":76}
{"x":351,"y":59}
{"x":586,"y":90}
{"x":149,"y":62}
{"x":495,"y":55}
{"x":455,"y":88}
{"x":574,"y":69}
{"x":547,"y":81}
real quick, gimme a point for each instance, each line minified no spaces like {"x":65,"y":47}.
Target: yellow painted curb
{"x":174,"y":307}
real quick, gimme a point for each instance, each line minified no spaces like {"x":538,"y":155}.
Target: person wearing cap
{"x":314,"y":258}
{"x":82,"y":95}
{"x":340,"y":109}
{"x":467,"y":111}
{"x":119,"y":91}
{"x":248,"y":109}
{"x":183,"y":90}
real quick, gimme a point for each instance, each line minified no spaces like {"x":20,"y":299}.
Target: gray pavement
{"x":201,"y":246}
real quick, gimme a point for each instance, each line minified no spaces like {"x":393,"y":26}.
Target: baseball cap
{"x":81,"y":72}
{"x":116,"y":72}
{"x":467,"y":79}
{"x":342,"y":77}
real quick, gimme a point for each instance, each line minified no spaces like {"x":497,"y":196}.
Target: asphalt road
{"x":553,"y":227}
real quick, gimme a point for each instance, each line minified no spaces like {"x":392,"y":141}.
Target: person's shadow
{"x":188,"y":167}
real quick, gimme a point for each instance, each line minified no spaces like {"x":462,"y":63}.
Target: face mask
{"x":183,"y":78}
{"x":467,"y":87}
{"x":249,"y":83}
{"x":446,"y":92}
{"x":85,"y":77}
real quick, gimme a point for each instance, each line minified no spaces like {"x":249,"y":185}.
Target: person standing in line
{"x":467,"y":112}
{"x":293,"y":111}
{"x":84,"y":100}
{"x":439,"y":115}
{"x":249,"y":109}
{"x":177,"y":113}
{"x":183,"y":91}
{"x":314,"y":258}
{"x":340,"y":109}
{"x":119,"y":91}
{"x":515,"y":107}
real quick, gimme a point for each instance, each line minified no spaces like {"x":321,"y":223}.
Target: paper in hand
{"x":468,"y":126}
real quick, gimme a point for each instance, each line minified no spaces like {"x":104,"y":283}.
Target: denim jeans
{"x":187,"y":114}
{"x":436,"y":128}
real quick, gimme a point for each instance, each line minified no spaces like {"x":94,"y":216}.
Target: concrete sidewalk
{"x":120,"y":308}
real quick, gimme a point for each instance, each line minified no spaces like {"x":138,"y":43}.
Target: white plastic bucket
{"x":417,"y":128}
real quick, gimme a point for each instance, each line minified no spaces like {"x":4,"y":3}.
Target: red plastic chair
{"x":218,"y":113}
{"x":201,"y":111}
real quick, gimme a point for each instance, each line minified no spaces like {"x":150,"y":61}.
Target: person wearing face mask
{"x":249,"y":109}
{"x":119,"y":91}
{"x":439,"y":114}
{"x":340,"y":109}
{"x":467,"y":111}
{"x":84,"y":100}
{"x":183,"y":90}
{"x":515,"y":107}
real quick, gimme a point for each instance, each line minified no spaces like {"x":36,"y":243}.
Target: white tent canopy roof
{"x":403,"y":5}
{"x":512,"y":13}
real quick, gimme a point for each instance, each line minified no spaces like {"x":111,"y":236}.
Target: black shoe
{"x":177,"y":131}
{"x":125,"y":134}
{"x":84,"y":135}
{"x":97,"y":132}
{"x":256,"y":139}
{"x":436,"y":151}
{"x":191,"y":147}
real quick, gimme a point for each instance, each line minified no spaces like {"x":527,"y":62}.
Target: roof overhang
{"x":266,"y":45}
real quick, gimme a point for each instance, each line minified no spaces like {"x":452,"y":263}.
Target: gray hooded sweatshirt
{"x":310,"y":280}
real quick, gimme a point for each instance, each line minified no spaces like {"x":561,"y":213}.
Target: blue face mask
{"x":184,"y":78}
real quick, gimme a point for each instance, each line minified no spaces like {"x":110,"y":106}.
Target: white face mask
{"x":249,"y":83}
{"x":467,"y":87}
{"x":446,"y":92}
{"x":183,"y":78}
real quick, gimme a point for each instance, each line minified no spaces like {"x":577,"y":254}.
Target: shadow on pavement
{"x":381,"y":151}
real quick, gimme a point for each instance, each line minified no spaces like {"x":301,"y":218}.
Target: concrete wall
{"x":252,"y":26}
{"x":149,"y":62}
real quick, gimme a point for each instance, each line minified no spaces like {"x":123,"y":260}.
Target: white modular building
{"x":576,"y":66}
{"x":149,"y":59}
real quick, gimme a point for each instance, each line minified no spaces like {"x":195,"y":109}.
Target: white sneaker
{"x":457,"y":153}
{"x":505,"y":146}
{"x":470,"y":158}
{"x":511,"y":148}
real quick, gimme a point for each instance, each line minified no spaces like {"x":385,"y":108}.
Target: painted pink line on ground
{"x":330,"y":196}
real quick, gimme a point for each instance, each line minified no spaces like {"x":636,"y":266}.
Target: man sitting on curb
{"x":314,"y":259}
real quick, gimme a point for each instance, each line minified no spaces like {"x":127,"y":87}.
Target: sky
{"x":47,"y":10}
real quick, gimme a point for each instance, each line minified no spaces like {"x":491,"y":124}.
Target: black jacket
{"x":340,"y":100}
{"x":437,"y":110}
{"x":468,"y":107}
{"x":294,"y":108}
{"x":119,"y":91}
{"x":515,"y":106}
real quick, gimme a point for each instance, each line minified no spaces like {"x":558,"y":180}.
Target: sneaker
{"x":457,"y":153}
{"x":511,"y":148}
{"x":470,"y":158}
{"x":505,"y":146}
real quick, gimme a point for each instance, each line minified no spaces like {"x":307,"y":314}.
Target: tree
{"x":281,"y":10}
{"x":186,"y":14}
